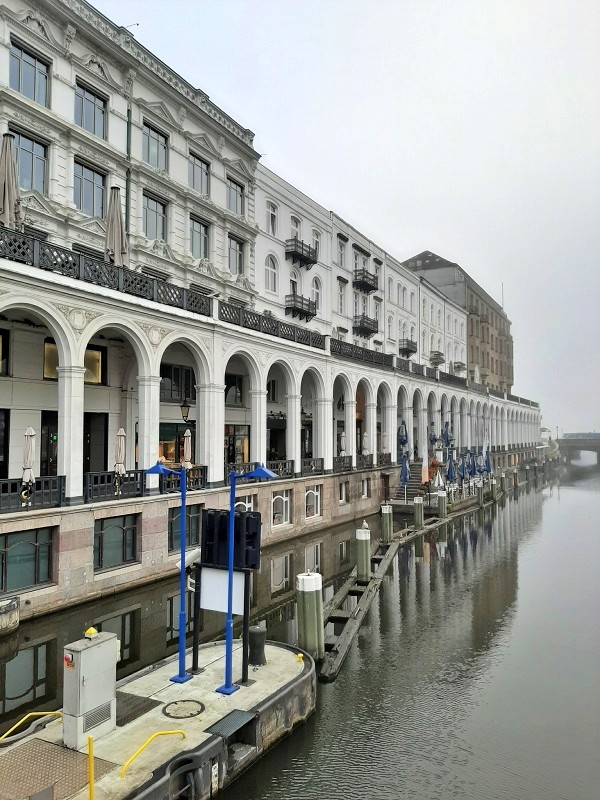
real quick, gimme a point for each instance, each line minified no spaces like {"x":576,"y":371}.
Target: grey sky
{"x":468,"y":128}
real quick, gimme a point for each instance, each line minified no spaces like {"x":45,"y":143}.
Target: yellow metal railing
{"x":27,"y":716}
{"x":127,"y":764}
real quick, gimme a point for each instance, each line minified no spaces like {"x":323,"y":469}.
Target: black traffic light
{"x":246,"y":537}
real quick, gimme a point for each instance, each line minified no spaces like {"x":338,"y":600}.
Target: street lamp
{"x":160,"y":469}
{"x":185,"y":410}
{"x":229,"y":687}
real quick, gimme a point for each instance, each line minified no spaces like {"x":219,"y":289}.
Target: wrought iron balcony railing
{"x":365,"y":281}
{"x":384,"y":459}
{"x":407,"y":348}
{"x":196,"y":479}
{"x":364,"y":461}
{"x":252,"y":320}
{"x":361,"y":354}
{"x":364,"y":326}
{"x":109,"y":486}
{"x":312,"y":466}
{"x":45,"y":492}
{"x":299,"y":306}
{"x":342,"y":463}
{"x":283,"y":469}
{"x":300,"y":252}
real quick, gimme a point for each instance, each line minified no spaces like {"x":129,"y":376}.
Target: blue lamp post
{"x":229,"y":687}
{"x":159,"y":469}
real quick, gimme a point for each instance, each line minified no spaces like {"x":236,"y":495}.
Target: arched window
{"x":424,"y":310}
{"x":439,"y":318}
{"x":462,"y":330}
{"x":462,"y":354}
{"x":423,"y":343}
{"x":456,"y":352}
{"x":390,"y":285}
{"x":404,"y":330}
{"x":295,"y":284}
{"x":448,"y":326}
{"x":271,"y":274}
{"x":448,"y":354}
{"x":404,"y":297}
{"x":315,"y":292}
{"x":390,"y":327}
{"x":316,"y":242}
{"x":271,"y":218}
{"x":412,"y":333}
{"x":432,"y":343}
{"x":440,"y":345}
{"x":296,"y":226}
{"x":399,"y":294}
{"x":455,"y":326}
{"x":412,"y":302}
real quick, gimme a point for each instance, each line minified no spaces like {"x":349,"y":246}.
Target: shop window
{"x":192,"y":528}
{"x":177,"y":383}
{"x":313,"y":501}
{"x":94,"y":362}
{"x":115,"y":541}
{"x":25,"y":559}
{"x":171,"y":438}
{"x":237,"y":445}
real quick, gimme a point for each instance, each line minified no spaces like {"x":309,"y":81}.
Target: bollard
{"x":503,"y":483}
{"x":516,"y":478}
{"x":309,"y":597}
{"x":257,"y":637}
{"x":419,"y":513}
{"x":442,"y":504}
{"x":494,"y":488}
{"x":386,"y":523}
{"x":363,"y":553}
{"x":535,"y":471}
{"x":527,"y":473}
{"x":480,"y":495}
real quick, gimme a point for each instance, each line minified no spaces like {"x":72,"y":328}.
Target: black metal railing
{"x":418,"y":369}
{"x":403,"y":364}
{"x":362,"y":354}
{"x":30,"y":250}
{"x":431,"y":372}
{"x":45,"y":492}
{"x":196,"y":478}
{"x":109,"y":486}
{"x":476,"y":387}
{"x":365,"y":325}
{"x":364,"y":461}
{"x":384,"y":459}
{"x":300,"y":251}
{"x":496,"y":393}
{"x":312,"y":466}
{"x":406,"y":347}
{"x":452,"y":380}
{"x":284,"y":469}
{"x":272,"y":326}
{"x":342,"y":463}
{"x":299,"y":306}
{"x":365,"y":280}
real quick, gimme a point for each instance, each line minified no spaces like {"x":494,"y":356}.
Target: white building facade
{"x":267,"y":321}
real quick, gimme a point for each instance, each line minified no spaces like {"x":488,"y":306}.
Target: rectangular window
{"x":28,"y":75}
{"x":94,"y":362}
{"x":341,"y":297}
{"x":235,"y":197}
{"x":281,"y":507}
{"x":155,"y":218}
{"x":199,"y":237}
{"x":341,"y":252}
{"x":198,"y":174}
{"x":154,"y":147}
{"x":356,"y":305}
{"x":25,"y":559}
{"x":312,"y":501}
{"x":4,"y":344}
{"x":88,"y":190}
{"x":312,"y":557}
{"x":90,"y":111}
{"x":115,"y":541}
{"x":236,"y":256}
{"x":366,"y":487}
{"x":344,"y":551}
{"x":281,"y":573}
{"x":344,"y":492}
{"x":193,"y":526}
{"x":171,"y":441}
{"x":177,"y":383}
{"x":32,"y":159}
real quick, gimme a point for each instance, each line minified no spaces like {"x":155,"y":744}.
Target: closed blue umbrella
{"x":488,"y":463}
{"x":462,"y":466}
{"x":450,"y":472}
{"x":472,"y":467}
{"x":480,"y":465}
{"x":432,"y":436}
{"x":446,"y":435}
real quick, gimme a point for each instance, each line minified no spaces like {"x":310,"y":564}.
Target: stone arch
{"x":201,"y":357}
{"x":60,"y":329}
{"x":133,"y":333}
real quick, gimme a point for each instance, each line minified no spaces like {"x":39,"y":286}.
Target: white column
{"x":293,"y":432}
{"x":70,"y":431}
{"x":258,"y":431}
{"x":350,"y":429}
{"x":324,"y":443}
{"x":389,"y":418}
{"x":423,"y":436}
{"x":407,"y":416}
{"x":371,"y":426}
{"x":128,"y":419}
{"x":148,"y":425}
{"x":210,"y":429}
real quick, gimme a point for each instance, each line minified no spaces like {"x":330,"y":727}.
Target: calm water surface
{"x":476,"y":673}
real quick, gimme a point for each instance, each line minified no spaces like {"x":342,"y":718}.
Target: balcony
{"x":436,"y":357}
{"x":364,"y":326}
{"x":252,"y":320}
{"x":312,"y":466}
{"x":109,"y":486}
{"x":45,"y":492}
{"x":459,"y":367}
{"x":300,"y":252}
{"x":299,"y":306}
{"x":361,"y":354}
{"x":342,"y":463}
{"x":364,"y":461}
{"x":384,"y":459}
{"x":196,"y":479}
{"x":365,"y":281}
{"x":407,"y":348}
{"x":283,"y":469}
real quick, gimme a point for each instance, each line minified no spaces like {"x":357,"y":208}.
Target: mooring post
{"x":503,"y":483}
{"x":516,"y":479}
{"x":442,"y":504}
{"x":311,"y":635}
{"x":527,"y":473}
{"x":494,"y":488}
{"x":535,"y":471}
{"x":480,"y":495}
{"x":363,"y":553}
{"x":386,"y":523}
{"x":419,"y":513}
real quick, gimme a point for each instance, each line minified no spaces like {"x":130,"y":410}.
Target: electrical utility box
{"x":89,"y":689}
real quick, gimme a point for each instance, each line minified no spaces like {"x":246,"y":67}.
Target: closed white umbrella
{"x":10,"y":197}
{"x":29,"y":456}
{"x":384,"y":442}
{"x":187,"y":449}
{"x":343,"y":443}
{"x":120,"y":453}
{"x":115,"y":245}
{"x":365,"y":444}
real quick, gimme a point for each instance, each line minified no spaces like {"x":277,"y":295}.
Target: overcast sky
{"x":471,"y":129}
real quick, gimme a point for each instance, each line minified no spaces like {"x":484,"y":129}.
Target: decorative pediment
{"x":32,"y":201}
{"x":241,"y":167}
{"x":206,"y":143}
{"x":93,"y":225}
{"x":38,"y":25}
{"x":161,"y":111}
{"x":94,"y":63}
{"x":243,"y":283}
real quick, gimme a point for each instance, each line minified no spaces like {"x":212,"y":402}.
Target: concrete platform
{"x":279,"y":695}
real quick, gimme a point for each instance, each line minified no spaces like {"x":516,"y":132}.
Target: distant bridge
{"x":572,"y":444}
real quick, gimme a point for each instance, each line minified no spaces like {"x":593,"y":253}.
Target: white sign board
{"x":213,"y":590}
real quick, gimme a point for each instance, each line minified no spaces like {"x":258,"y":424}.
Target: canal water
{"x":475,"y":675}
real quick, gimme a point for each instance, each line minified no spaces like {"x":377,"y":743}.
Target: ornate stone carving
{"x":33,"y":123}
{"x":70,"y":32}
{"x":96,"y":158}
{"x":129,"y":78}
{"x":154,"y":333}
{"x":98,"y":65}
{"x":79,"y":318}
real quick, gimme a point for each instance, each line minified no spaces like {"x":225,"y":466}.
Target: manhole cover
{"x":183,"y":709}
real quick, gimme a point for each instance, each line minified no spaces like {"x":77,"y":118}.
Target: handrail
{"x":31,"y":714}
{"x":132,"y":758}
